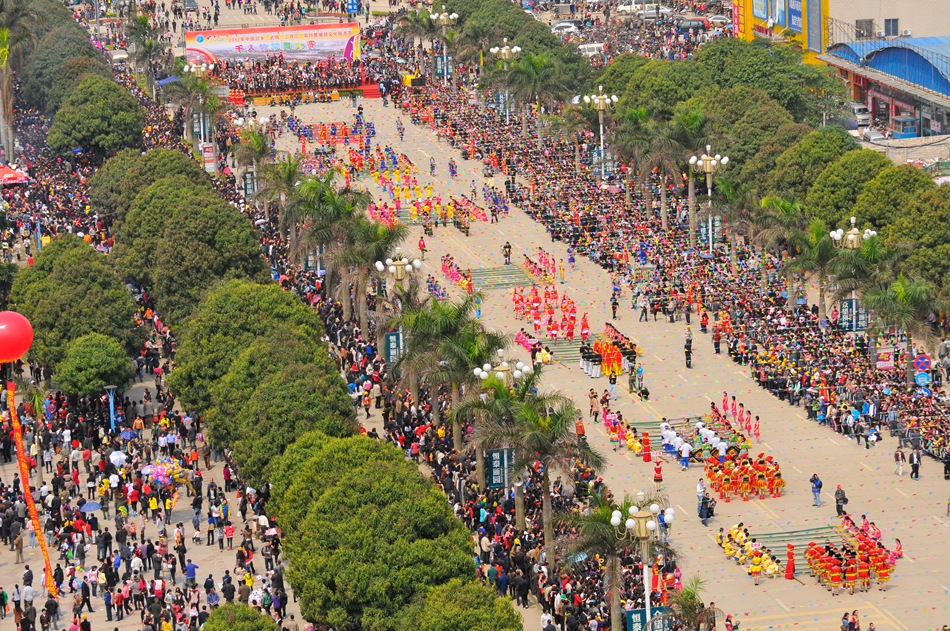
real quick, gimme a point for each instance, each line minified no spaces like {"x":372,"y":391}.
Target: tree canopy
{"x":232,"y":316}
{"x":373,"y":542}
{"x":97,"y":116}
{"x":69,"y":292}
{"x":801,"y":164}
{"x":459,"y":604}
{"x":238,"y":617}
{"x":836,"y":189}
{"x":886,"y":196}
{"x":92,"y":362}
{"x":925,"y":222}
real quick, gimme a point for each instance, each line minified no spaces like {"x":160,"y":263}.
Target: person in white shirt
{"x":700,"y":494}
{"x":685,"y":450}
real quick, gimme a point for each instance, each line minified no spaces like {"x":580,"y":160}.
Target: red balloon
{"x":16,"y":336}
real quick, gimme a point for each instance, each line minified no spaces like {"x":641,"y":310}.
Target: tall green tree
{"x":461,"y":604}
{"x":835,"y":191}
{"x":630,"y":141}
{"x":816,"y":254}
{"x":71,"y":291}
{"x":536,"y":79}
{"x":98,"y":117}
{"x":544,"y":435}
{"x":149,"y":46}
{"x":904,"y":303}
{"x":885,"y":197}
{"x":781,"y":224}
{"x":18,"y":22}
{"x":800,"y":165}
{"x":92,"y":362}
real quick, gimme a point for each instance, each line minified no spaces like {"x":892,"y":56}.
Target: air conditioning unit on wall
{"x":905,"y":32}
{"x":879,"y":34}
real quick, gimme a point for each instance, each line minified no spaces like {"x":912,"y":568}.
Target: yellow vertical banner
{"x":23,"y":461}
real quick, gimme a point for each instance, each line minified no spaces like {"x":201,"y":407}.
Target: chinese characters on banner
{"x":304,"y":42}
{"x":23,"y":461}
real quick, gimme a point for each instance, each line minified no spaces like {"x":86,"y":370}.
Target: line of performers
{"x":744,"y":477}
{"x":738,"y":545}
{"x":541,"y":312}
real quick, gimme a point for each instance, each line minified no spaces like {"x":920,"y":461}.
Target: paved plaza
{"x":916,"y":512}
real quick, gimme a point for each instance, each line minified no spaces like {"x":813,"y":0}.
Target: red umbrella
{"x":12,"y":176}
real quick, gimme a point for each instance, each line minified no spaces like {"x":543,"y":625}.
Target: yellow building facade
{"x":801,"y":21}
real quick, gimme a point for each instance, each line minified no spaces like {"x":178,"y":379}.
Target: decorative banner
{"x":22,"y":457}
{"x":885,"y":358}
{"x":760,"y":9}
{"x":302,"y":43}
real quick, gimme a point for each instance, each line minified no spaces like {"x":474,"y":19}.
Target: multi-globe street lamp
{"x":852,"y":240}
{"x":708,"y":164}
{"x":641,"y":525}
{"x":444,"y":20}
{"x":601,"y":102}
{"x":506,"y":53}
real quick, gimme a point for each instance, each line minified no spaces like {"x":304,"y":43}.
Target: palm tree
{"x":19,"y":20}
{"x":496,"y":400}
{"x":663,"y":155}
{"x":474,"y":42}
{"x":191,"y":93}
{"x":541,"y":434}
{"x":278,"y":184}
{"x":739,"y":208}
{"x":630,"y":142}
{"x":149,"y":46}
{"x":781,"y":222}
{"x":689,"y":129}
{"x":816,"y":254}
{"x":325,"y":213}
{"x":445,"y":342}
{"x":252,"y":150}
{"x":365,"y":242}
{"x":905,"y":304}
{"x":570,"y":123}
{"x":538,"y":79}
{"x":687,"y":607}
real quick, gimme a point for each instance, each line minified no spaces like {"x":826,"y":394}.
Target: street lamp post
{"x":445,"y":20}
{"x":199,"y":71}
{"x":601,"y":102}
{"x":506,"y":53}
{"x":852,"y":240}
{"x":399,"y":268}
{"x":111,"y":392}
{"x":508,"y":374}
{"x":708,"y":164}
{"x":640,"y":526}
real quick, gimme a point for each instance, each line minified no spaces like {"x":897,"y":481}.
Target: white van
{"x":861,"y":114}
{"x":591,"y":50}
{"x":628,"y":6}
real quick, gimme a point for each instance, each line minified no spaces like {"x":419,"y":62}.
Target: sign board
{"x":352,"y":6}
{"x":885,"y":358}
{"x":926,"y":392}
{"x":922,"y":363}
{"x":850,"y":323}
{"x":393,"y":347}
{"x":443,"y":64}
{"x":795,"y":21}
{"x":247,"y":181}
{"x":499,"y":464}
{"x":207,"y":157}
{"x":300,"y":42}
{"x":702,"y":226}
{"x":922,"y":378}
{"x":637,"y":620}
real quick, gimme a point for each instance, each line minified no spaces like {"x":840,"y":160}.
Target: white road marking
{"x":783,"y":606}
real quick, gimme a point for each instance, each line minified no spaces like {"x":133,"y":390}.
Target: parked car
{"x":873,"y":135}
{"x":653,"y":13}
{"x":697,"y":24}
{"x":860,"y":113}
{"x":719,"y":20}
{"x":567,"y":26}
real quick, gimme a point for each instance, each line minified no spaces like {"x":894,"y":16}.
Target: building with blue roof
{"x":904,"y":81}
